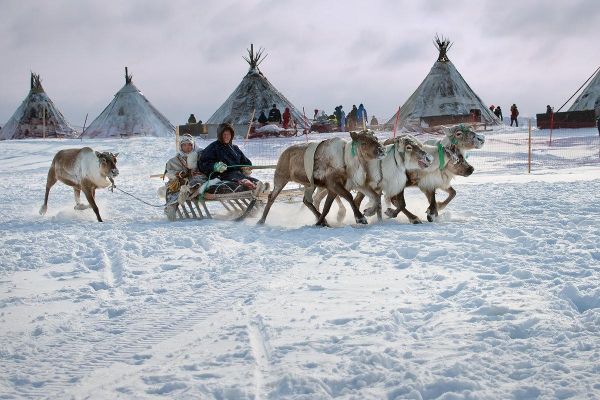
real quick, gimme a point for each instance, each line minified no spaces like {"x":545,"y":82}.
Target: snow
{"x":498,"y":299}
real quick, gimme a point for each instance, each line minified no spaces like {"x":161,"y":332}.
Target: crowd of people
{"x":354,"y":120}
{"x":275,"y":117}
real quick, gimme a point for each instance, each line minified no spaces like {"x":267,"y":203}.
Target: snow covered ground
{"x":499,"y":299}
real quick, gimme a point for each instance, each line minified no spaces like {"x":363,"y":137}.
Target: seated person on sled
{"x":225,"y":161}
{"x":182,"y":170}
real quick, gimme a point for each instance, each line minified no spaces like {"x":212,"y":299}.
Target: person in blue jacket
{"x":361,"y":113}
{"x":224,"y":160}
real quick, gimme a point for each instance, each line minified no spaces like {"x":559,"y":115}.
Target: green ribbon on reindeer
{"x":353,"y":148}
{"x":441,"y":156}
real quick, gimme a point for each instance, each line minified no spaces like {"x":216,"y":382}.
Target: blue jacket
{"x":359,"y":115}
{"x":228,"y":153}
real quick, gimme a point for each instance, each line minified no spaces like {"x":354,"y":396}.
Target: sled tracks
{"x":108,"y":340}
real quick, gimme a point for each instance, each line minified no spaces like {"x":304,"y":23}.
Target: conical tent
{"x":443,"y":96}
{"x":129,"y":114}
{"x":589,"y":99}
{"x":254,"y":93}
{"x":37,"y":117}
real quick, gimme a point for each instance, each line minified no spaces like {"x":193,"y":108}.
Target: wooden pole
{"x":44,"y":122}
{"x":177,"y":139}
{"x":396,"y":122}
{"x":84,"y":122}
{"x":250,"y":124}
{"x":529,"y":158}
{"x":551,"y":127}
{"x":306,"y":123}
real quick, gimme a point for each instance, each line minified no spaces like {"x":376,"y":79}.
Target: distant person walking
{"x":598,"y":124}
{"x":498,"y":113}
{"x":514,"y":113}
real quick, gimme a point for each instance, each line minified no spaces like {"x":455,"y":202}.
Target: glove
{"x":220,"y":167}
{"x":246,"y":171}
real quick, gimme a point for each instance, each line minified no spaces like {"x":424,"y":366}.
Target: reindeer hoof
{"x":415,"y":221}
{"x":390,"y":213}
{"x":361,"y":220}
{"x":81,"y":207}
{"x":260,"y":222}
{"x":370,"y":211}
{"x":431,"y":217}
{"x":43,"y":210}
{"x":323,"y":224}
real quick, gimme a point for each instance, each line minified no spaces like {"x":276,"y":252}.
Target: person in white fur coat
{"x":181,"y":170}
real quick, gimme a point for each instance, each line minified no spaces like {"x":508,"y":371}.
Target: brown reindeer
{"x":339,"y":166}
{"x":84,"y":170}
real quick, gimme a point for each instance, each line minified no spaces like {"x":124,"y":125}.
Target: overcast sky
{"x":186,"y":56}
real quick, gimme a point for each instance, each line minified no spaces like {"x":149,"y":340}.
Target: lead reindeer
{"x":84,"y":170}
{"x":339,"y":166}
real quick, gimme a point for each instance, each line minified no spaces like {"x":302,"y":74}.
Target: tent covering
{"x":36,"y":117}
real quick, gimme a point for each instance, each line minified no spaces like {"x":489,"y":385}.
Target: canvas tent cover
{"x":36,"y":117}
{"x":129,"y":114}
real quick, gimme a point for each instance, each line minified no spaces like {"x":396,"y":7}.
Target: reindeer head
{"x":366,"y":146}
{"x":457,"y":164}
{"x":415,"y":156}
{"x":463,"y":137}
{"x":108,"y":164}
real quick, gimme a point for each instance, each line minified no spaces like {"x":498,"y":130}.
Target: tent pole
{"x":250,"y":124}
{"x":177,"y":139}
{"x":44,"y":122}
{"x":396,"y":122}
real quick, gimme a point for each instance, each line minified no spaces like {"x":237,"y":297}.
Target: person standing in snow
{"x":286,"y":118}
{"x":498,"y":113}
{"x":180,"y":170}
{"x":514,"y":113}
{"x":361,"y":114}
{"x":598,"y":124}
{"x":353,"y":117}
{"x":224,"y":160}
{"x":342,"y":120}
{"x":374,"y":121}
{"x":275,"y":114}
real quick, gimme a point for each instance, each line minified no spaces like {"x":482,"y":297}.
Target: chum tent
{"x":589,"y":99}
{"x":254,"y":94}
{"x":129,"y":114}
{"x":37,"y":117}
{"x":443,"y":97}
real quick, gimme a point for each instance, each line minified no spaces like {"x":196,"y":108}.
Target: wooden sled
{"x":238,"y":205}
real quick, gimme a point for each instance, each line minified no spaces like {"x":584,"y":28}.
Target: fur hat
{"x":187,"y":138}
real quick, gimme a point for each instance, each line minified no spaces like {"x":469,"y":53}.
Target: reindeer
{"x":448,"y":161}
{"x":339,"y":166}
{"x":84,"y":170}
{"x":388,"y":175}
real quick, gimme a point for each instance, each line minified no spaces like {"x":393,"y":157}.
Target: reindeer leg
{"x":49,"y":183}
{"x":374,"y":198}
{"x":451,"y":194}
{"x":278,"y":185}
{"x":309,"y":201}
{"x":346,"y":195}
{"x":78,"y":205}
{"x":341,"y":214}
{"x":89,"y":192}
{"x":400,"y":203}
{"x":432,"y":211}
{"x":319,"y":196}
{"x":330,"y":197}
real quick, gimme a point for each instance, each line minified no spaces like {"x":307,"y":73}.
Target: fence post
{"x":529,"y":158}
{"x":177,"y":139}
{"x":551,"y":126}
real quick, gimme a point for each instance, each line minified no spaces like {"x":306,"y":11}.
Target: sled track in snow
{"x":71,"y":357}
